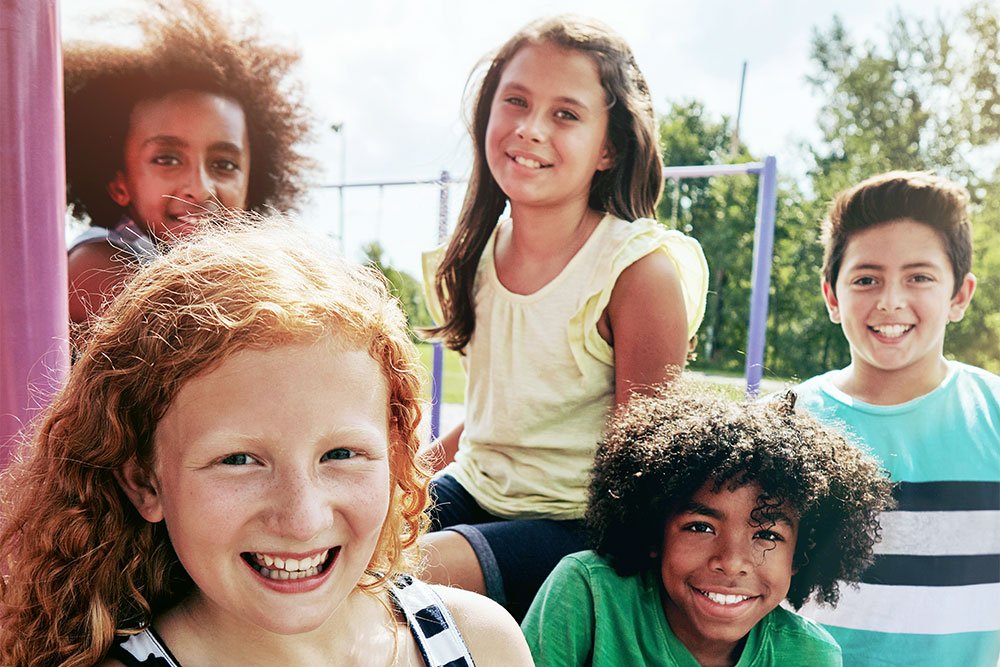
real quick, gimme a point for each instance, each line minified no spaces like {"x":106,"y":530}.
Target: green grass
{"x":454,"y":375}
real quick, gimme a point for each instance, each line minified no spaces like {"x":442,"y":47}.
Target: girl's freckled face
{"x":279,"y":452}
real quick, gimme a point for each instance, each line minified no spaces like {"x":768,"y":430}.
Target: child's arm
{"x":95,"y":275}
{"x":444,"y":448}
{"x":648,"y":325}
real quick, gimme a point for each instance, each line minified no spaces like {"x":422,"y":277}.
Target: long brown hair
{"x":80,"y":562}
{"x":628,"y":190}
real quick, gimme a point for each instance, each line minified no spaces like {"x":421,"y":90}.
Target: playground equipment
{"x":34,"y":315}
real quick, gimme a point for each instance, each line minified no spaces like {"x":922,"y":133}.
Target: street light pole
{"x":339,"y":129}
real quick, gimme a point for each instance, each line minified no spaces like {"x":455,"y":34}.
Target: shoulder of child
{"x":490,"y":632}
{"x":796,"y":635}
{"x":94,"y":272}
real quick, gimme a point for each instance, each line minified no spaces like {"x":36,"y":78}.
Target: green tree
{"x":404,"y":287}
{"x":720,"y":212}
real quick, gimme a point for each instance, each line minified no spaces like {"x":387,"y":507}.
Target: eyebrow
{"x":697,"y":508}
{"x":704,"y":510}
{"x":868,"y":266}
{"x":562,"y":98}
{"x":176,"y":142}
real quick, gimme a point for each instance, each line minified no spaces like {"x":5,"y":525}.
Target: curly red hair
{"x":81,"y":563}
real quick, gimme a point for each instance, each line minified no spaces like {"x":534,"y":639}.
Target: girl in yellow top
{"x":561,"y":310}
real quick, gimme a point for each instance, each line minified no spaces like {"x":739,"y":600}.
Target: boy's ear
{"x":962,"y":297}
{"x":141,"y":489}
{"x":118,"y":191}
{"x":832,"y":304}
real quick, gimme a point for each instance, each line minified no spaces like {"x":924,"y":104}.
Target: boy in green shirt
{"x":706,"y":514}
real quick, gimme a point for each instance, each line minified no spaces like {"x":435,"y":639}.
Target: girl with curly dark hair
{"x":233,"y":471}
{"x":704,"y":515}
{"x":200,"y":116}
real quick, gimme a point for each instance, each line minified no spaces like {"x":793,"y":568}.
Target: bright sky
{"x":393,"y":72}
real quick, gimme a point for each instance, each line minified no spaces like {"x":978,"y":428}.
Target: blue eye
{"x":563,"y":114}
{"x":240,"y":459}
{"x":516,"y":101}
{"x":338,"y":454}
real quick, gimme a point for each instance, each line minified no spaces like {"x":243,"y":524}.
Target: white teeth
{"x":527,"y":162}
{"x":892,"y":330}
{"x":292,"y":568}
{"x":719,"y":598}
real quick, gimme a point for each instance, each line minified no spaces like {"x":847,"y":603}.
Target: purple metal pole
{"x":437,"y":371}
{"x":763,"y":250}
{"x":34,"y":315}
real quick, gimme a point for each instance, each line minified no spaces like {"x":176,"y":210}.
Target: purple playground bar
{"x":763,"y":250}
{"x":34,"y":315}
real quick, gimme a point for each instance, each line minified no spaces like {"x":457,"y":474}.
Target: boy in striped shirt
{"x":897,"y":260}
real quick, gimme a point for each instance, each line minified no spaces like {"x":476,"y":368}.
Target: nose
{"x":891,"y":297}
{"x":198,"y":185}
{"x":299,"y":507}
{"x":732,"y":557}
{"x":532,"y":127}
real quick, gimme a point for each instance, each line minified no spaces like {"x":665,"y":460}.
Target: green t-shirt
{"x":585,"y":614}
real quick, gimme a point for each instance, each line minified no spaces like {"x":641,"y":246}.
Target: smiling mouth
{"x":891,"y":330}
{"x":282,"y":569}
{"x":725,"y":600}
{"x":528,"y":162}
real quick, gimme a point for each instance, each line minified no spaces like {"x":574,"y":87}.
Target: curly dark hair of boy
{"x":185,"y":46}
{"x":660,"y":450}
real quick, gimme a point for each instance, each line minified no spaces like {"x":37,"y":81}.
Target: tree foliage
{"x":721,"y":213}
{"x":404,"y":287}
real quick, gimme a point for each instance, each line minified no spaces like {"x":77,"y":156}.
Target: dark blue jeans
{"x":516,"y":555}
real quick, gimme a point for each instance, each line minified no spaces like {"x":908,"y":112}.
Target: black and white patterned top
{"x":432,"y":625}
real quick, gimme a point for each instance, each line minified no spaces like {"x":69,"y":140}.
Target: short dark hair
{"x":185,"y":46}
{"x":660,"y":450}
{"x":916,"y":195}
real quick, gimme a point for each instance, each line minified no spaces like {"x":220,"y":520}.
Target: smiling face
{"x":547,"y":131}
{"x":272,"y":477}
{"x":894,"y":296}
{"x":721,"y":571}
{"x":185,"y":152}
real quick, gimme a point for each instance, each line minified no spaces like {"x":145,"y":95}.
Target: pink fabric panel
{"x":34,"y":314}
